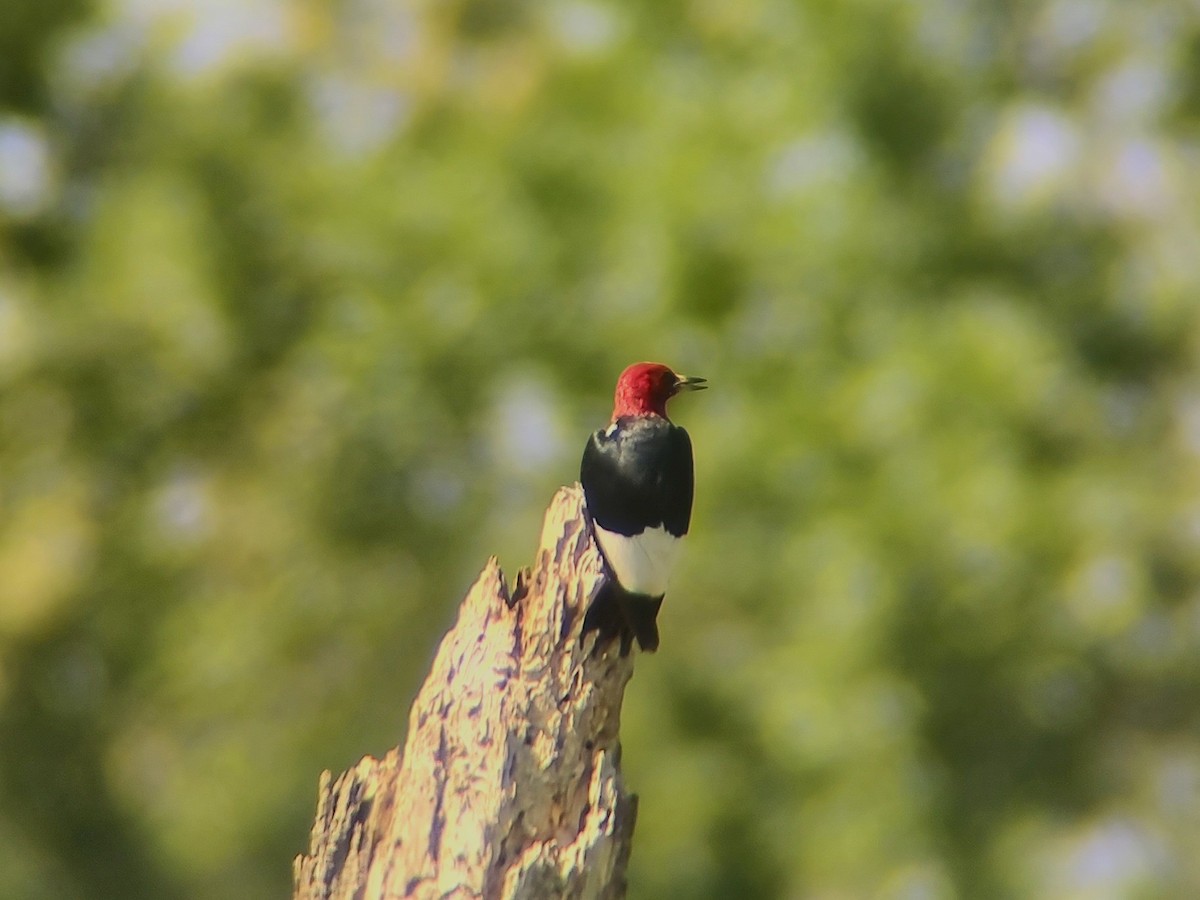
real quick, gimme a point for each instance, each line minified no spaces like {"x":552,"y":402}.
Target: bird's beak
{"x":690,"y":383}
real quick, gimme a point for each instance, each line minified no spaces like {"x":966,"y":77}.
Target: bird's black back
{"x":639,"y":475}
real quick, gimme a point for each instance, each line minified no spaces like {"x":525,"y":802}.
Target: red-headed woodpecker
{"x":637,"y":480}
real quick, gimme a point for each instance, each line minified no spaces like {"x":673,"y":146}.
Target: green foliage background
{"x":306,"y":308}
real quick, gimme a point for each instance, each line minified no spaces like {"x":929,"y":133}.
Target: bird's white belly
{"x":641,"y":563}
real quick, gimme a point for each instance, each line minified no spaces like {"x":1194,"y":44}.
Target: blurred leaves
{"x":306,"y":309}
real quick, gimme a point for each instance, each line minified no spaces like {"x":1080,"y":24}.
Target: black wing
{"x":639,"y":475}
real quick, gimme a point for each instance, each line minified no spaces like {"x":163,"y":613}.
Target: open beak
{"x":690,"y":383}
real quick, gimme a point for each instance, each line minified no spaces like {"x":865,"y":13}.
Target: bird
{"x":638,"y":483}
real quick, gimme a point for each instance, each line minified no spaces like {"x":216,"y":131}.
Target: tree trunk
{"x":510,"y":782}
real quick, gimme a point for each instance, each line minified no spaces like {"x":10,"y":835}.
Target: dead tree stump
{"x":509,"y":784}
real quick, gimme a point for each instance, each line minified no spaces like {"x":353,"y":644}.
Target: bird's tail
{"x":616,"y":612}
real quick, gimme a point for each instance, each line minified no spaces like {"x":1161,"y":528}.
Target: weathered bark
{"x":510,"y":784}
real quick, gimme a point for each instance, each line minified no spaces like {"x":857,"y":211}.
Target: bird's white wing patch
{"x":642,"y":563}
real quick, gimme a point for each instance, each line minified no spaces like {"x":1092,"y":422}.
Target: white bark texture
{"x":509,"y":785}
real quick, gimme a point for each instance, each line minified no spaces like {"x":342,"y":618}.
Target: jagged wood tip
{"x":509,"y":784}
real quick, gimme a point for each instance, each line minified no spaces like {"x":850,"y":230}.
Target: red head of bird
{"x":644,"y":389}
